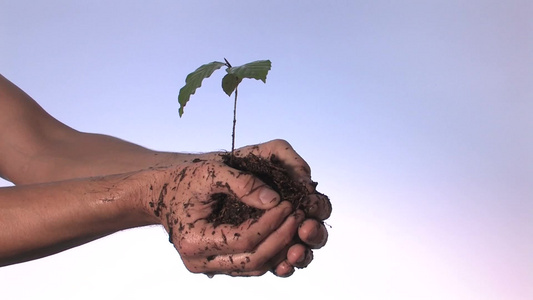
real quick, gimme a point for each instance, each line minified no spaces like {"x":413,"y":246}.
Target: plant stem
{"x":234,"y":122}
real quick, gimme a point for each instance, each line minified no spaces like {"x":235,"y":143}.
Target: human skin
{"x":74,"y":187}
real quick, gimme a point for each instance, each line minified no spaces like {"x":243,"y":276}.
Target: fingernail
{"x":267,"y":195}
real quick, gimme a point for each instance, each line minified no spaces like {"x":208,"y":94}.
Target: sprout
{"x":254,"y":70}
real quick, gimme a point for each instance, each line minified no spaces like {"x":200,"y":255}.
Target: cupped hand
{"x":181,"y":199}
{"x":312,"y":233}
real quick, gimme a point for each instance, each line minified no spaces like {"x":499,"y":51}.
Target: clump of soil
{"x":227,"y":209}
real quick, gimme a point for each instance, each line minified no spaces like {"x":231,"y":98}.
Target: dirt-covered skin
{"x":315,"y":204}
{"x":287,"y":173}
{"x":83,"y":186}
{"x":229,"y":210}
{"x":272,"y":237}
{"x":183,"y":202}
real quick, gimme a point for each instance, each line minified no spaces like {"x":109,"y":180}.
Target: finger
{"x":281,"y":151}
{"x":313,"y":233}
{"x":256,"y":260}
{"x":285,"y":153}
{"x":248,"y":188}
{"x":227,"y":239}
{"x":232,"y":265}
{"x":280,"y":239}
{"x":280,"y":259}
{"x":299,"y":256}
{"x":317,"y":206}
{"x":284,"y":269}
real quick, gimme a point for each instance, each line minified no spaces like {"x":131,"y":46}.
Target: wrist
{"x":152,"y":188}
{"x":138,"y":191}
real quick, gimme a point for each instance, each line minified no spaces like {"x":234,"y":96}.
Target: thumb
{"x":267,"y":196}
{"x":252,"y":191}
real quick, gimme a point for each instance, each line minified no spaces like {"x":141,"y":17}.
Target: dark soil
{"x":229,"y":210}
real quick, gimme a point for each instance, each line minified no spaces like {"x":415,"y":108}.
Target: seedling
{"x":230,"y":82}
{"x":227,"y":207}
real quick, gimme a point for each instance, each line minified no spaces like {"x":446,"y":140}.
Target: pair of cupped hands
{"x":280,"y":241}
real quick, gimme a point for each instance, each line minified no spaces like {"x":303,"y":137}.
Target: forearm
{"x":43,"y":219}
{"x":35,"y":147}
{"x":83,"y":155}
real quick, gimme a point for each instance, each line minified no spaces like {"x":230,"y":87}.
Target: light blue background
{"x":415,"y":116}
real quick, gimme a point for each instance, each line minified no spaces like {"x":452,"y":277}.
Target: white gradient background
{"x":415,"y":116}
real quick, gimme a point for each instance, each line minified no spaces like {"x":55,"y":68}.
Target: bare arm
{"x":43,"y":219}
{"x":36,"y":148}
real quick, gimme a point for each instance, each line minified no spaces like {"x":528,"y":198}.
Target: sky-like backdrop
{"x":415,"y":116}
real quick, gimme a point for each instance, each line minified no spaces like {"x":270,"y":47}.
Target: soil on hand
{"x":227,"y":209}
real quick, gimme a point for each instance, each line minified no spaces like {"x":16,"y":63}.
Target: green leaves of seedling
{"x":230,"y":83}
{"x":194,"y":81}
{"x":254,"y":70}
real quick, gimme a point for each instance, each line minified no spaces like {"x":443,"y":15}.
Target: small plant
{"x":227,"y":207}
{"x":230,"y":82}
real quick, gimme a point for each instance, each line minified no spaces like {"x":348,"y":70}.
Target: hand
{"x":291,"y":253}
{"x":181,"y":199}
{"x":312,"y":231}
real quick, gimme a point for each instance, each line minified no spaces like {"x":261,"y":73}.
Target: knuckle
{"x":281,"y":143}
{"x":187,"y":248}
{"x":248,"y":182}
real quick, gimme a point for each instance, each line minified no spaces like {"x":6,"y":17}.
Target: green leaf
{"x":255,"y":70}
{"x":230,"y":83}
{"x":194,"y":81}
